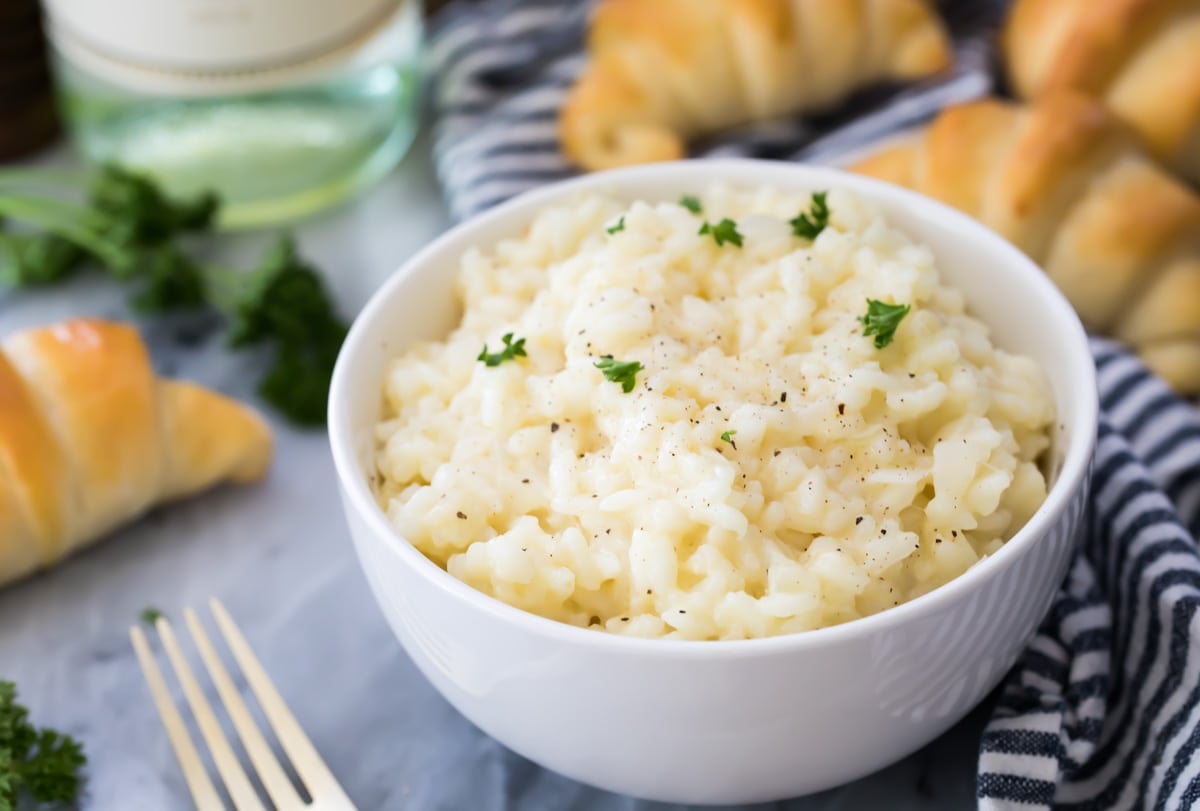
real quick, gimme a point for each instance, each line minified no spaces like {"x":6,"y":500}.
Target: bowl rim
{"x":520,"y":209}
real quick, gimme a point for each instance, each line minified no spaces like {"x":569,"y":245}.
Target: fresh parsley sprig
{"x":691,"y":203}
{"x":120,"y":215}
{"x":723,"y":232}
{"x":622,"y":372}
{"x":39,"y":763}
{"x":808,"y":224}
{"x":511,"y":351}
{"x":55,"y":224}
{"x":881,"y":320}
{"x":282,"y":303}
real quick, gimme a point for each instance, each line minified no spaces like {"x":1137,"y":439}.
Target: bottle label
{"x":181,"y":45}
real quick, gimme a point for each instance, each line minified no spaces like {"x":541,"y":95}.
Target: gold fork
{"x":324,"y":790}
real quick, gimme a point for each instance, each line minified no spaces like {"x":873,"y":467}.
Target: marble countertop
{"x":280,"y":558}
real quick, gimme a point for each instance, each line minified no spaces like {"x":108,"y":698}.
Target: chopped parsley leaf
{"x":42,"y":765}
{"x":728,"y":437}
{"x":511,"y":351}
{"x":881,"y":321}
{"x":691,"y":203}
{"x":151,"y":615}
{"x":808,"y":224}
{"x":722,"y":232}
{"x":620,"y":226}
{"x":623,"y":372}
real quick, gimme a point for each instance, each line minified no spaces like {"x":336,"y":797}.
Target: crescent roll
{"x":91,"y":438}
{"x":1067,"y":182}
{"x":1142,"y":57}
{"x":662,"y":72}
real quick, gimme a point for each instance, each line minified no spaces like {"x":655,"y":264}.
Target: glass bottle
{"x":282,"y":106}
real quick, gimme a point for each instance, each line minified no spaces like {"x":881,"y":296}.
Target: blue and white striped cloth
{"x":1102,"y":711}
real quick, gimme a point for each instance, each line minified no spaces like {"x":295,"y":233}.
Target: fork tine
{"x":202,"y":788}
{"x":236,"y":783}
{"x":279,"y":787}
{"x":321,"y":784}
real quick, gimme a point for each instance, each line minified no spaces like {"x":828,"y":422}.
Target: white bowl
{"x":735,"y":721}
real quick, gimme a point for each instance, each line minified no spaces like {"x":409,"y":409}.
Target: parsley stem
{"x":63,"y":219}
{"x":224,"y":286}
{"x":9,"y":253}
{"x":42,"y":176}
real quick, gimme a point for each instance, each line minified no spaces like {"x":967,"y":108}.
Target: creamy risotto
{"x":685,"y":419}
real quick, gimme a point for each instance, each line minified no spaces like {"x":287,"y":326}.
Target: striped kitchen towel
{"x":1102,"y":711}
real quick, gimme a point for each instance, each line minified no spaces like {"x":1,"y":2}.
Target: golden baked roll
{"x":1142,"y":57}
{"x":664,"y":71}
{"x":1067,"y":182}
{"x":90,"y":438}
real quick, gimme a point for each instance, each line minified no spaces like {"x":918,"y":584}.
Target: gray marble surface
{"x":279,"y":556}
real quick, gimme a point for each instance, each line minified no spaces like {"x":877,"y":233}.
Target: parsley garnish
{"x":511,"y":351}
{"x":42,"y":763}
{"x":728,"y":437}
{"x":809,"y":224}
{"x":722,"y":232}
{"x":54,"y":225}
{"x":620,"y":226}
{"x":691,"y":203}
{"x":881,"y":321}
{"x":283,"y":302}
{"x":151,"y":615}
{"x":623,"y":372}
